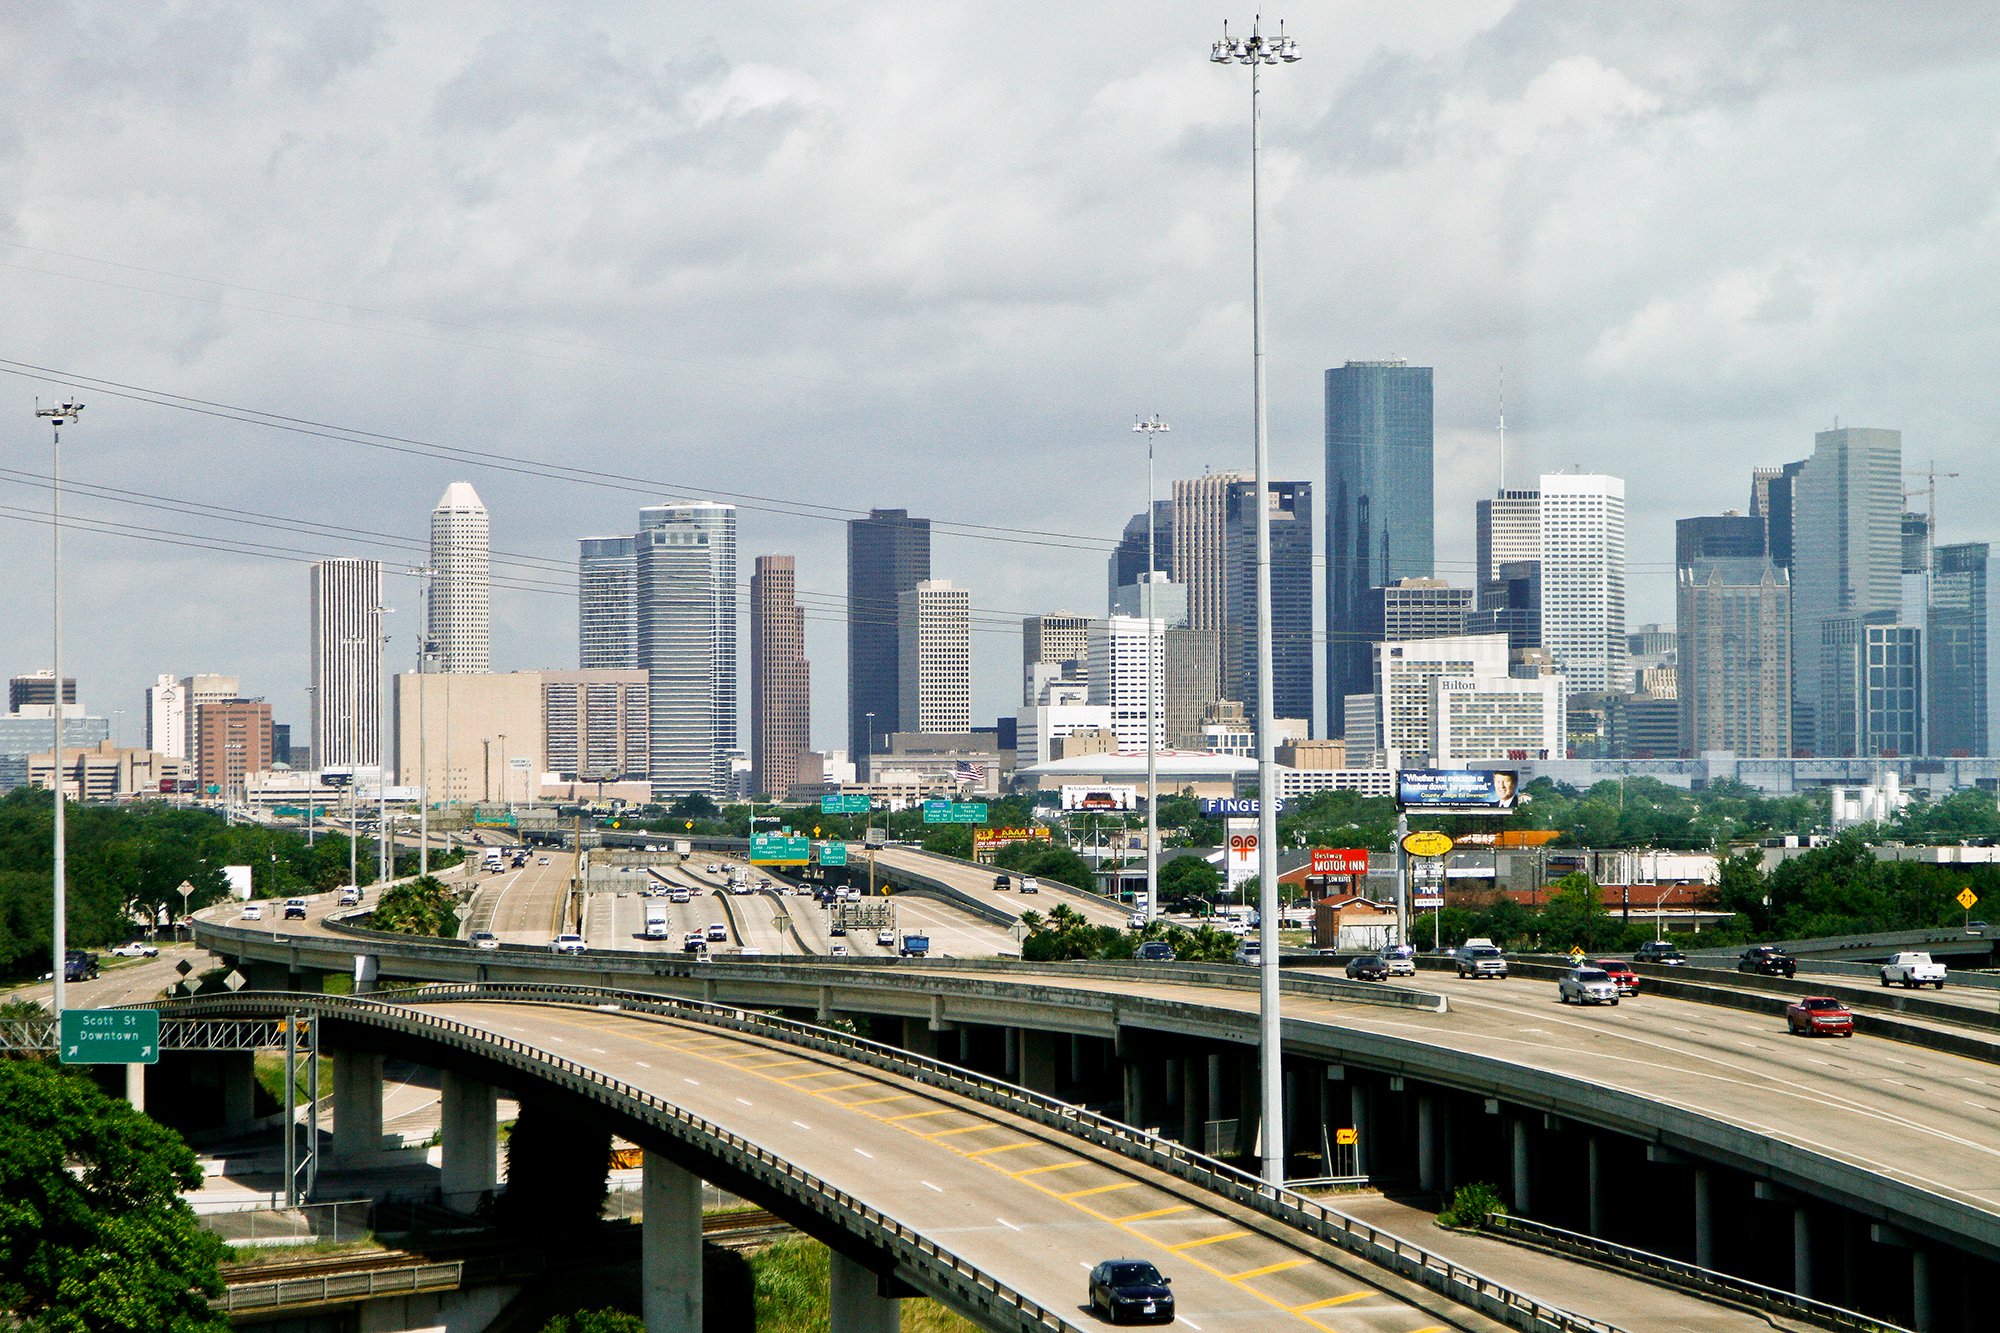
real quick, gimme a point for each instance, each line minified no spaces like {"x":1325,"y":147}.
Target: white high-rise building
{"x":687,"y":614}
{"x":461,"y":615}
{"x":1124,"y":650}
{"x":1398,"y":722}
{"x":1498,"y":717}
{"x":166,"y":718}
{"x":934,"y":629}
{"x":1506,"y":528}
{"x":346,"y":645}
{"x":1583,"y":579}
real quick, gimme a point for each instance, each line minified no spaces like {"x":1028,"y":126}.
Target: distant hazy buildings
{"x":1054,"y":647}
{"x":166,"y":718}
{"x":1379,"y":496}
{"x":1127,"y":660}
{"x":687,"y":606}
{"x":461,"y":616}
{"x":607,"y":621}
{"x":38,"y":690}
{"x":28,"y":728}
{"x":780,"y":676}
{"x":234,"y":742}
{"x":1583,"y":579}
{"x":345,"y":641}
{"x":888,"y":553}
{"x":1128,"y":559}
{"x":197,"y":692}
{"x":1397,"y":719}
{"x":481,"y":737}
{"x":1733,"y":637}
{"x":934,"y":632}
{"x":1201,"y":547}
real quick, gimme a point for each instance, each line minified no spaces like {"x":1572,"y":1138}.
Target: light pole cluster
{"x":1256,"y":51}
{"x":58,"y":417}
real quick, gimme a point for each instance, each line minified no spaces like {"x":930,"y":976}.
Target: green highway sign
{"x":110,"y":1037}
{"x":954,"y":812}
{"x":833,"y":853}
{"x":846,"y":804}
{"x":300,"y":812}
{"x":780,"y":849}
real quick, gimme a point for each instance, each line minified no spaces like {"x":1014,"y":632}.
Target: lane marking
{"x":1208,"y":1240}
{"x":1005,"y":1223}
{"x":968,"y":1129}
{"x":744,"y":1101}
{"x":1099,"y":1189}
{"x":1005,"y":1147}
{"x":865,"y":1153}
{"x":940,"y":1190}
{"x":877,"y":1101}
{"x":1331,"y":1301}
{"x":1267,"y":1268}
{"x":641,"y":1063}
{"x":908,"y":1115}
{"x":1040,"y":1170}
{"x":800,"y":1123}
{"x":1152,"y":1213}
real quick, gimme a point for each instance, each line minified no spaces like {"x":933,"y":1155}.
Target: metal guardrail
{"x":1687,"y":1276}
{"x":1383,"y":1248}
{"x":338,"y":1287}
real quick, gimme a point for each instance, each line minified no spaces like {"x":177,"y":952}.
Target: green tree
{"x":595,"y":1321}
{"x":1189,"y":877}
{"x":94,"y":1234}
{"x":418,"y":907}
{"x":1574,"y":915}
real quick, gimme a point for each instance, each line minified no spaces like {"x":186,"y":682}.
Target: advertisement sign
{"x":1232,"y":807}
{"x":1424,"y":902}
{"x":780,"y":849}
{"x":954,"y":812}
{"x":833,"y":853}
{"x":986,"y":839}
{"x":1464,"y":790}
{"x":1093,"y":797}
{"x":1427,"y":842}
{"x":845,"y":803}
{"x":1241,"y":862}
{"x":1339,"y":860}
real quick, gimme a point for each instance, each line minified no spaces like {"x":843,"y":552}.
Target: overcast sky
{"x":935,"y":255}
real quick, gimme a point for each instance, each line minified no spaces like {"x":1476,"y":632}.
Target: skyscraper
{"x":1290,"y":505}
{"x":345,"y":632}
{"x":1965,"y":650}
{"x":1053,"y":647}
{"x":780,"y":676}
{"x":1847,"y":565}
{"x":461,"y":615}
{"x":1733,"y":657}
{"x":935,"y":635}
{"x":1730,"y":536}
{"x":166,"y":718}
{"x":1128,"y":558}
{"x":1583,"y":579}
{"x":888,"y":553}
{"x":1124,"y":651}
{"x":234,"y":741}
{"x":197,"y":692}
{"x":687,"y":616}
{"x":607,"y":604}
{"x":1201,"y":546}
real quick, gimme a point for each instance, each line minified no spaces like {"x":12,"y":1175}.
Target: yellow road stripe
{"x":916,"y":1115}
{"x":1005,"y":1147}
{"x":1100,"y":1189}
{"x":1267,"y":1268}
{"x":874,"y":1101}
{"x":968,"y":1129}
{"x":1156,"y":1212}
{"x":849,"y":1087}
{"x":797,"y":1078}
{"x":1331,"y":1300}
{"x":1038,"y":1170}
{"x":1208,"y":1240}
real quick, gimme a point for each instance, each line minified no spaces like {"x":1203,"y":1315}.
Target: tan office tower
{"x":934,"y":630}
{"x":1201,"y":546}
{"x":195,"y":692}
{"x":461,"y":617}
{"x":780,"y":676}
{"x":345,"y":625}
{"x":233,"y":740}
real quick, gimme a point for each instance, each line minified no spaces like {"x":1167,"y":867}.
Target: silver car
{"x":1587,"y":985}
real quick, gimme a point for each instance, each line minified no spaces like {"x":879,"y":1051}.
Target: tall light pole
{"x":1149,"y":608}
{"x":424,"y":649}
{"x":1257,"y":50}
{"x":58,"y":417}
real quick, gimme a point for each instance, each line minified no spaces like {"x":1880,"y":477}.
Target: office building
{"x":1892,"y":692}
{"x":345,"y":640}
{"x":1201,"y":546}
{"x":594,"y":725}
{"x":234,"y":741}
{"x":1484,"y":716}
{"x":105,"y":772}
{"x":1414,"y":609}
{"x":166,"y":718}
{"x":1040,"y":728}
{"x":1642,"y":726}
{"x":1053,"y":648}
{"x":1651,"y":645}
{"x":1156,"y":596}
{"x":1379,"y":499}
{"x":1916,"y":543}
{"x":607,"y":605}
{"x":1193,"y":666}
{"x":687,"y":642}
{"x":1771,"y":492}
{"x":1506,"y":529}
{"x":1128,"y":676}
{"x":28,"y":728}
{"x":478,"y":739}
{"x":934,"y":631}
{"x":780,"y":677}
{"x":1583,"y":578}
{"x":281,"y":743}
{"x":888,"y":553}
{"x":1128,"y":560}
{"x":1965,"y":633}
{"x":1403,"y":706}
{"x":1846,"y":564}
{"x":1733,"y":657}
{"x":1729,"y":536}
{"x":461,"y":616}
{"x":1290,"y":506}
{"x":196,"y":692}
{"x":38,"y":690}
{"x":1511,"y":604}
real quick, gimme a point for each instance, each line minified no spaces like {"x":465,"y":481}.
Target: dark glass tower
{"x":887,"y":553}
{"x":1379,"y":492}
{"x":1291,"y":598}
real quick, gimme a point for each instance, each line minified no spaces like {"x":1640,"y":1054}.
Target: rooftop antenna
{"x":1503,"y":430}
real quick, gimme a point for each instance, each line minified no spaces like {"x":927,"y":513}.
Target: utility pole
{"x":58,"y":417}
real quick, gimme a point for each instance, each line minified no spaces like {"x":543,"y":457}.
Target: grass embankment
{"x":792,"y":1295}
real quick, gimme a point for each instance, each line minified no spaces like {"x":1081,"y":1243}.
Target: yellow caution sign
{"x":1967,"y":898}
{"x":1346,"y":1138}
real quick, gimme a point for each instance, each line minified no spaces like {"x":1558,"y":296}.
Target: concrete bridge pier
{"x":1523,"y":1165}
{"x":1037,"y":1060}
{"x":918,"y":1037}
{"x":1923,"y":1314}
{"x":1704,"y":1217}
{"x":670,"y":1265}
{"x":1428,"y":1176}
{"x":1194,"y":1093}
{"x":857,"y":1304}
{"x":1358,"y":1119}
{"x":471,"y":1134}
{"x":357,"y":1106}
{"x":1594,"y":1182}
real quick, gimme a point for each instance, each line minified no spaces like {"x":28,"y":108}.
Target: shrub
{"x":1471,"y":1205}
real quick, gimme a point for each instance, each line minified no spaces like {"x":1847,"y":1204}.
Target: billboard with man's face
{"x":1463,"y":790}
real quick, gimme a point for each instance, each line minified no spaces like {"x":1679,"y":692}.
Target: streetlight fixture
{"x":1149,"y":608}
{"x":61,"y":415}
{"x":1256,"y":51}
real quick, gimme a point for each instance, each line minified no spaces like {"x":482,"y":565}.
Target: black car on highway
{"x":1154,"y":951}
{"x":1368,"y":967}
{"x":1131,"y":1289}
{"x":1767,"y":960}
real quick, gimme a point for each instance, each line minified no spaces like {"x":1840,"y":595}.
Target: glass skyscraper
{"x":1379,"y":491}
{"x":1964,"y":623}
{"x":1291,"y":598}
{"x":888,"y":553}
{"x":687,"y":643}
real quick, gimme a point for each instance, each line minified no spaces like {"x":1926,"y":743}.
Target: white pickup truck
{"x":1913,"y":969}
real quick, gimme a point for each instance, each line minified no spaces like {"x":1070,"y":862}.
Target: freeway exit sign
{"x":833,"y":853}
{"x":954,"y":812}
{"x":852,"y":803}
{"x":110,"y":1037}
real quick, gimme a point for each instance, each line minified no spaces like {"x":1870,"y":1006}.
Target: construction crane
{"x":1930,"y":474}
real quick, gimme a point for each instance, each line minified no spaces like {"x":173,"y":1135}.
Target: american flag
{"x":966,"y":771}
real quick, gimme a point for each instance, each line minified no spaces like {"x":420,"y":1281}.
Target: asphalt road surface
{"x":522,"y":906}
{"x":978,"y":882}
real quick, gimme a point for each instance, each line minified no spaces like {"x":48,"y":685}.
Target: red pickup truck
{"x":1819,"y":1016}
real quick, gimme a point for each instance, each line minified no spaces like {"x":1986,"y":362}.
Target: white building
{"x":1037,"y":727}
{"x":934,"y":630}
{"x":1498,"y":717}
{"x":1405,"y":675}
{"x":461,"y":617}
{"x":1128,"y":657}
{"x":346,"y":644}
{"x":166,"y":718}
{"x":1583,"y":578}
{"x":687,"y":619}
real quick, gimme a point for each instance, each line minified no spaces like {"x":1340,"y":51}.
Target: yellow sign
{"x":815,"y":826}
{"x":1346,"y":1138}
{"x":1575,"y":953}
{"x":690,"y":824}
{"x":1967,"y":898}
{"x":1427,"y":842}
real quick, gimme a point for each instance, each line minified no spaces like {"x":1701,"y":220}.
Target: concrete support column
{"x":1214,"y":1096}
{"x":1920,"y":1289}
{"x":1704,"y":1217}
{"x":135,"y":1086}
{"x":1802,"y":1266}
{"x":1038,"y":1061}
{"x":964,"y":1045}
{"x":1076,"y":1061}
{"x":1523,"y":1198}
{"x":918,"y":1039}
{"x":670,"y":1265}
{"x":471,"y":1136}
{"x":357,"y":1106}
{"x":1594,"y":1184}
{"x":1249,"y":1100}
{"x":858,"y":1305}
{"x":1194,"y":1094}
{"x":367,"y":971}
{"x":1427,"y":1145}
{"x":823,"y":1011}
{"x":1135,"y":1093}
{"x":1010,"y":1039}
{"x":236,"y":1078}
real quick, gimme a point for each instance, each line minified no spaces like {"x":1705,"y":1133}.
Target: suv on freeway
{"x":1154,"y":951}
{"x":295,"y":909}
{"x":1767,"y":960}
{"x":1659,"y":951}
{"x":1481,"y":960}
{"x":1587,"y":985}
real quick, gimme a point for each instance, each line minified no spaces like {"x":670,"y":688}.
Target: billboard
{"x":1229,"y":807}
{"x":986,"y":839}
{"x":1094,"y":797}
{"x":1464,"y":790}
{"x":1339,"y":860}
{"x":1241,"y":860}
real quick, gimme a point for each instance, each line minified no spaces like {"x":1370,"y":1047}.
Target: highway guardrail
{"x":333,"y":1288}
